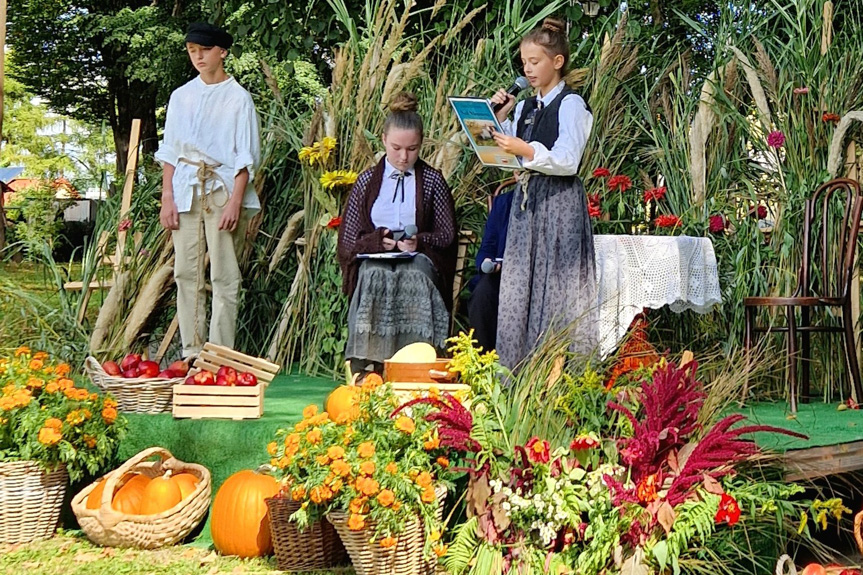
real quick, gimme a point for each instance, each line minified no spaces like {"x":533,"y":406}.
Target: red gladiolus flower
{"x":538,"y":450}
{"x":125,"y":225}
{"x":717,"y":224}
{"x":828,"y":117}
{"x":334,"y":223}
{"x":775,"y":139}
{"x":583,"y":442}
{"x":654,"y":194}
{"x":601,"y":173}
{"x":667,"y":221}
{"x":594,"y":211}
{"x":619,"y":182}
{"x":729,"y":510}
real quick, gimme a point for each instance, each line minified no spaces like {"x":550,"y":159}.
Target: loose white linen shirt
{"x":216,"y":123}
{"x":395,"y":215}
{"x":575,"y":122}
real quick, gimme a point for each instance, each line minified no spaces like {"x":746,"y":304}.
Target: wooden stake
{"x":128,"y":184}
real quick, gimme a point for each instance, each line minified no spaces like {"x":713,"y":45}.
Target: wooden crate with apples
{"x":213,"y":391}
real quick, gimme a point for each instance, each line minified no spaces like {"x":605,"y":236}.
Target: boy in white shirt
{"x":209,"y":153}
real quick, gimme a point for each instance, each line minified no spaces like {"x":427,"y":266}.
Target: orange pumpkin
{"x":94,"y":500}
{"x":342,"y":401}
{"x":160,"y":495}
{"x":128,"y":498}
{"x":238,"y":518}
{"x":186,"y":482}
{"x":814,"y":569}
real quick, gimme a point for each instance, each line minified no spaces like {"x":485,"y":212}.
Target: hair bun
{"x":404,"y":102}
{"x":553,"y":25}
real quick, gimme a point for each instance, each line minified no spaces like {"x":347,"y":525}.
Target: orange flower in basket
{"x":54,"y":423}
{"x":372,"y":381}
{"x":66,"y":383}
{"x":35,"y":382}
{"x":397,"y":505}
{"x":440,"y":550}
{"x":392,"y":467}
{"x":337,"y":485}
{"x":356,"y":522}
{"x":49,"y":436}
{"x":109,"y":414}
{"x":40,"y":355}
{"x":405,"y":424}
{"x":443,"y":461}
{"x":335,"y":452}
{"x":428,"y":495}
{"x":90,"y":441}
{"x":386,"y":497}
{"x":52,"y":387}
{"x":110,"y":402}
{"x":23,"y":350}
{"x":388,"y":542}
{"x":314,"y":436}
{"x":310,"y":411}
{"x":36,"y":364}
{"x":63,"y":369}
{"x":340,"y":467}
{"x":432,"y":443}
{"x":320,"y":493}
{"x":358,"y":505}
{"x":322,"y":460}
{"x":367,"y":467}
{"x":367,"y":486}
{"x":272,"y":447}
{"x":424,"y":479}
{"x":298,"y":493}
{"x":366,"y":449}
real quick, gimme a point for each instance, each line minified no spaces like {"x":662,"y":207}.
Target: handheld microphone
{"x":521,"y":83}
{"x":410,"y":231}
{"x":487,"y":266}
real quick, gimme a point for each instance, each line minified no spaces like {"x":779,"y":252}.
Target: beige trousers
{"x":223,"y":248}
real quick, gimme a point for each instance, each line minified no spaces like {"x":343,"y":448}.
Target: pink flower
{"x":125,"y":225}
{"x":601,"y":173}
{"x":619,"y":182}
{"x":667,"y":221}
{"x":717,"y":224}
{"x":801,"y":90}
{"x":334,"y":223}
{"x":538,"y":450}
{"x":654,"y":194}
{"x":775,"y":139}
{"x":729,"y":510}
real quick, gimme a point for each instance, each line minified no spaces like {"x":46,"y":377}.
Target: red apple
{"x":130,"y":373}
{"x":222,"y":380}
{"x":179,"y":367}
{"x":130,"y":361}
{"x":148,"y":368}
{"x":190,"y":380}
{"x":205,"y":377}
{"x":167,"y":374}
{"x":111,"y":368}
{"x":247,"y":379}
{"x":229,"y":373}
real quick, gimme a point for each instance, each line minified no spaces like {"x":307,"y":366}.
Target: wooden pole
{"x":128,"y":184}
{"x":2,"y":89}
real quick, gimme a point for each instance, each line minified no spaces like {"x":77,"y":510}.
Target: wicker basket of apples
{"x":139,"y":385}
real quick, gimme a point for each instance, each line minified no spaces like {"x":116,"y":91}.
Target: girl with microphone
{"x":548,"y":277}
{"x":394,"y":302}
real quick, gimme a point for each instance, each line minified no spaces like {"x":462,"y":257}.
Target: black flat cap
{"x":208,"y":35}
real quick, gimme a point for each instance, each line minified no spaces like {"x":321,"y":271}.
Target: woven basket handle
{"x":858,"y":536}
{"x":108,"y":516}
{"x":785,"y":566}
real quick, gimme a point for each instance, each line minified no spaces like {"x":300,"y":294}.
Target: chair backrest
{"x":828,"y":241}
{"x":503,"y":185}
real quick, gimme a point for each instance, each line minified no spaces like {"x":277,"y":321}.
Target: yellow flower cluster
{"x":332,"y":179}
{"x":319,"y":152}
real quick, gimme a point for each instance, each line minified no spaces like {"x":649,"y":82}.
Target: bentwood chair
{"x":829,"y":243}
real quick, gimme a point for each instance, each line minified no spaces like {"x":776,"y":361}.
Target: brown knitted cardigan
{"x":435,"y":221}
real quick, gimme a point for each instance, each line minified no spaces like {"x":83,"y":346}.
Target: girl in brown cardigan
{"x":395,"y":302}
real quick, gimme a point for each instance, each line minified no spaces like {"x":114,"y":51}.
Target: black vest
{"x":545,"y":123}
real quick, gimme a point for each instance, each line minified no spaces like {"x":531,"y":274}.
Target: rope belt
{"x":523,"y":178}
{"x":206,"y":173}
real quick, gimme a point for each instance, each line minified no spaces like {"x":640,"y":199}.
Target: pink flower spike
{"x":776,"y":139}
{"x":801,"y":90}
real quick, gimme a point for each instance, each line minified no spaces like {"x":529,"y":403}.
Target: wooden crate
{"x":412,"y":379}
{"x":213,"y":401}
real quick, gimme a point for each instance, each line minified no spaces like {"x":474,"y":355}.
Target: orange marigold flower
{"x":337,"y":485}
{"x":298,"y":493}
{"x":335,"y":452}
{"x":443,"y":461}
{"x":358,"y":505}
{"x":356,"y":522}
{"x":272,"y":448}
{"x":386,"y":497}
{"x":372,"y":381}
{"x":340,"y":467}
{"x":35,"y":382}
{"x":109,"y":414}
{"x":63,"y":369}
{"x":366,"y":449}
{"x":36,"y":364}
{"x":367,"y":467}
{"x":66,"y":383}
{"x":40,"y":355}
{"x":110,"y":402}
{"x":314,"y":436}
{"x":320,"y":493}
{"x":54,"y":423}
{"x":310,"y":411}
{"x":23,"y":350}
{"x":322,"y":459}
{"x":367,"y":486}
{"x":432,"y":443}
{"x":388,"y":542}
{"x":49,"y":436}
{"x":302,"y":425}
{"x":81,"y":394}
{"x":93,"y":397}
{"x":397,"y":505}
{"x":440,"y":550}
{"x":405,"y":424}
{"x":90,"y":441}
{"x":428,"y":495}
{"x":424,"y":479}
{"x":52,"y":387}
{"x":392,"y":467}
{"x":292,"y":439}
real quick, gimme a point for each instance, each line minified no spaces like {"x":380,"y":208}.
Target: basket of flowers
{"x":50,"y":431}
{"x":377,"y":472}
{"x":144,"y":503}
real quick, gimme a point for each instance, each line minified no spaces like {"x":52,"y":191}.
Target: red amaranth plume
{"x":669,"y":415}
{"x":716,"y":453}
{"x":454,"y":422}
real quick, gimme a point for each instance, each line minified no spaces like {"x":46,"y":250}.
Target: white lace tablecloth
{"x":636,"y":272}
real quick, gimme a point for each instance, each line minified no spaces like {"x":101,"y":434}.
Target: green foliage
{"x":37,"y":216}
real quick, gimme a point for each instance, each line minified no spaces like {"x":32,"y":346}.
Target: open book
{"x":478,"y":122}
{"x":387,"y":256}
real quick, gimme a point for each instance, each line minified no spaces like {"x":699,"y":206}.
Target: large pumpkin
{"x":94,"y":500}
{"x":342,"y":402}
{"x":128,"y":498}
{"x":160,"y":495}
{"x":186,"y":482}
{"x":238,"y":518}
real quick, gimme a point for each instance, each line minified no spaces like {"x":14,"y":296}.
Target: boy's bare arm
{"x":231,"y":213}
{"x":168,"y":214}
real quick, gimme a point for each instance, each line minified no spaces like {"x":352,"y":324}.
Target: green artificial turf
{"x":823,"y":423}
